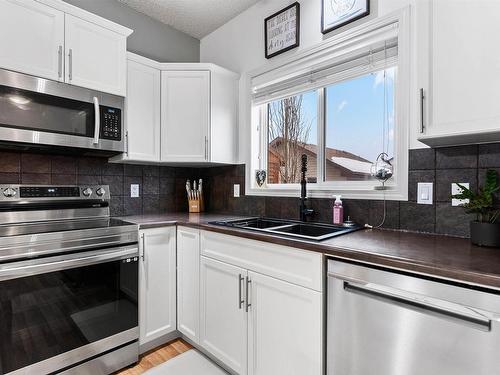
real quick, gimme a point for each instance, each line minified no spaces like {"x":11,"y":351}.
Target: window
{"x":292,"y":131}
{"x":342,"y":104}
{"x":359,"y":125}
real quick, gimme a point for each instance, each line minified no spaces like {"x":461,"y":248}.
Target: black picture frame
{"x":297,"y":31}
{"x":346,"y":22}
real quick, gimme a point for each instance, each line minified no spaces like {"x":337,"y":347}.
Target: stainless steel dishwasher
{"x":381,"y":322}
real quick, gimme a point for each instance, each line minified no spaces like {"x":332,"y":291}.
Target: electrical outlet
{"x":236,"y":190}
{"x":424,"y":192}
{"x":134,"y":190}
{"x":455,"y":189}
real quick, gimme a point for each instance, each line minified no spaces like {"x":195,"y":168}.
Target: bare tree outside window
{"x":289,"y":131}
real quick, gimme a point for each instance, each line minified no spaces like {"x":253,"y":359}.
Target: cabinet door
{"x":157,"y":310}
{"x":95,"y":56}
{"x":31,"y":38}
{"x":142,"y":108}
{"x":188,"y":282}
{"x":464,"y":79}
{"x":284,"y":328}
{"x":223,"y":320}
{"x":185,"y":116}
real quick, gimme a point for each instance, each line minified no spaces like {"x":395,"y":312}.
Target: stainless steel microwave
{"x":36,"y":111}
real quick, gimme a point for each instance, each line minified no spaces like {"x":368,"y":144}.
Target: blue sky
{"x":355,"y":114}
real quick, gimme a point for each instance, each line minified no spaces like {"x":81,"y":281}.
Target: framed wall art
{"x":338,"y":13}
{"x":282,"y":30}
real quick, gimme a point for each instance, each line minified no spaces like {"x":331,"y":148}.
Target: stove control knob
{"x":87,"y":192}
{"x":100,"y":192}
{"x":9,"y":192}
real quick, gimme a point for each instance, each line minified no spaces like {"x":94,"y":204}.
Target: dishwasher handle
{"x":476,"y":322}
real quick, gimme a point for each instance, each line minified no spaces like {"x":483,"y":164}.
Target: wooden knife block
{"x":195,"y":205}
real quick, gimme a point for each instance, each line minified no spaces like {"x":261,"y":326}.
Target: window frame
{"x":397,"y":187}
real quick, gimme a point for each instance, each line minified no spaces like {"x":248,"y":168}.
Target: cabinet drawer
{"x":296,"y":266}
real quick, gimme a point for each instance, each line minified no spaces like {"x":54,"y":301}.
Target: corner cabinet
{"x":179,"y":113}
{"x":198,"y":114}
{"x":458,"y":71}
{"x":55,"y":40}
{"x":157,"y":283}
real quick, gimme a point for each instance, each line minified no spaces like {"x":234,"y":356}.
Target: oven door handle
{"x":9,"y":271}
{"x":97,"y":120}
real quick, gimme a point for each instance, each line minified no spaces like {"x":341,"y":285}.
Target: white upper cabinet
{"x":142,"y":111}
{"x":95,"y":57}
{"x":55,"y":40}
{"x":185,"y":116}
{"x":31,"y":38}
{"x":157,"y":283}
{"x":198,"y":114}
{"x":459,"y":71}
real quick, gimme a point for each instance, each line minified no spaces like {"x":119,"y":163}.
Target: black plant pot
{"x":485,"y":234}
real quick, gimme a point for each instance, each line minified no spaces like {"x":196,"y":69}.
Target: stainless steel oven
{"x":37,"y":111}
{"x":68,"y":282}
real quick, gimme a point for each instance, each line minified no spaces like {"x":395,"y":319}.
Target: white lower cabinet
{"x":188,"y":282}
{"x":284,"y":328}
{"x":223,"y":319}
{"x":157,"y":283}
{"x":257,"y":324}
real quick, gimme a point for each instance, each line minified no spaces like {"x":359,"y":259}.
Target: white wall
{"x":239,"y":44}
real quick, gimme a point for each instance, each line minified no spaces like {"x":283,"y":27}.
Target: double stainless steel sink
{"x":291,"y":228}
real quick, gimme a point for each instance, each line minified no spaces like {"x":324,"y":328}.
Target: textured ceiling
{"x":194,"y":17}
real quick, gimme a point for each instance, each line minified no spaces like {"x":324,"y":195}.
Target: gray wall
{"x":151,"y":38}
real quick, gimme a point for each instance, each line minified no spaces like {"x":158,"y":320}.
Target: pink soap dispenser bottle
{"x":338,"y":211}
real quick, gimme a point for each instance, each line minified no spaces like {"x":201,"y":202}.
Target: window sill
{"x":391,"y":193}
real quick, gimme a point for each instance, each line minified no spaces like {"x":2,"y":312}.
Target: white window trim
{"x":398,"y":186}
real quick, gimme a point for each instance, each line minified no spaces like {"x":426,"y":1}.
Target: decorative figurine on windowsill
{"x":260,"y":177}
{"x":382,"y":170}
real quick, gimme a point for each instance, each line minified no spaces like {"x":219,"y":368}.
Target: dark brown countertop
{"x":441,"y":256}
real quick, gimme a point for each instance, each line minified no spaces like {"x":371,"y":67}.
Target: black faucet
{"x":304,"y":211}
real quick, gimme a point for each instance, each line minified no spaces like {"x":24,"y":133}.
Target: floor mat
{"x":189,"y":363}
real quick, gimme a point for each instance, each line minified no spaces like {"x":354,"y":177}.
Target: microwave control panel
{"x":111,"y":123}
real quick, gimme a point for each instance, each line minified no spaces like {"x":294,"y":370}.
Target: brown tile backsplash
{"x":162,"y":189}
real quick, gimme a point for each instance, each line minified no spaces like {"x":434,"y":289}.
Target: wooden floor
{"x":156,"y":357}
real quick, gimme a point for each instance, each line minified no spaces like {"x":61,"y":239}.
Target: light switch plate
{"x":236,"y":190}
{"x":455,"y":189}
{"x":425,"y":192}
{"x":134,"y":190}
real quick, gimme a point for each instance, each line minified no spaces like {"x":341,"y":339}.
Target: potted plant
{"x":485,"y":230}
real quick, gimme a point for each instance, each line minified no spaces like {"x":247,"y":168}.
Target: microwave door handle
{"x":44,"y":265}
{"x":97,"y":121}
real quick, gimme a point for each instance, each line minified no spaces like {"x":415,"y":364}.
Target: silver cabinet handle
{"x":59,"y":61}
{"x":143,"y":255}
{"x":422,"y":97}
{"x":247,"y":305}
{"x":206,"y":148}
{"x":97,"y":120}
{"x":420,"y":306}
{"x":70,"y":64}
{"x":126,"y":142}
{"x":241,"y":301}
